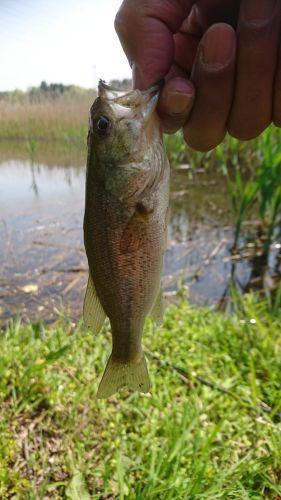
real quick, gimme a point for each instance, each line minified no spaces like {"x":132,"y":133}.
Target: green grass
{"x":253,"y":172}
{"x":247,"y":155}
{"x":261,"y":187}
{"x":185,"y":440}
{"x":40,"y":130}
{"x":60,"y":153}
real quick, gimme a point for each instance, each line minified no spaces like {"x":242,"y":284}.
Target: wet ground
{"x":43,"y":269}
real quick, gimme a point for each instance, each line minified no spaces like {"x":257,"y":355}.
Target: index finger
{"x":145,"y":29}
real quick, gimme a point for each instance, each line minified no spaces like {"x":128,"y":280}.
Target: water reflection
{"x":34,"y":185}
{"x":42,"y":259}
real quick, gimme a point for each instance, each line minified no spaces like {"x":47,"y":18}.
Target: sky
{"x":59,"y":41}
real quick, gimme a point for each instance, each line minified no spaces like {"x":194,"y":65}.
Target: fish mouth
{"x":144,"y":101}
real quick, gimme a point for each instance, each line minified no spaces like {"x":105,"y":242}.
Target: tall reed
{"x":46,"y":118}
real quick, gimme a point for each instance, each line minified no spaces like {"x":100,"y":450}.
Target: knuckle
{"x":122,"y":21}
{"x":242,"y":133}
{"x":171,"y":128}
{"x":119,"y":24}
{"x":203,"y":146}
{"x":277,"y":121}
{"x":234,"y":132}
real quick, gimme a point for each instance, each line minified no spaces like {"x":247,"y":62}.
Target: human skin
{"x":219,"y":59}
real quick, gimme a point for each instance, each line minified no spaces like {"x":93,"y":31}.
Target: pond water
{"x":43,"y":268}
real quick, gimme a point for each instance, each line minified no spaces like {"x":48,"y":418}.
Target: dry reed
{"x":46,"y":117}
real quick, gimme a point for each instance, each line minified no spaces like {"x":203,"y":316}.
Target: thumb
{"x":145,"y":29}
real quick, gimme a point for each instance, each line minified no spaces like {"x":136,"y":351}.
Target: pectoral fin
{"x":93,"y":312}
{"x":157,"y":311}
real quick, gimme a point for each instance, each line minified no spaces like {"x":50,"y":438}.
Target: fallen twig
{"x":264,"y":407}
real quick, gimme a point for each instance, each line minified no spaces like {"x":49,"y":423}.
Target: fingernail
{"x":218,"y":46}
{"x":177,"y":103}
{"x":257,"y":11}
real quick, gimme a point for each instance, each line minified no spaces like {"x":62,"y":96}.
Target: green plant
{"x":209,"y":429}
{"x":243,"y":195}
{"x":261,"y":184}
{"x":32,"y":147}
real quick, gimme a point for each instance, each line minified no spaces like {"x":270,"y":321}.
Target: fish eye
{"x":103,"y":125}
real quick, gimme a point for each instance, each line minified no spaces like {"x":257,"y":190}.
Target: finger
{"x":258,"y":32}
{"x":277,"y":94}
{"x":213,"y":78}
{"x":145,"y":29}
{"x":175,"y":104}
{"x":186,"y":46}
{"x":203,"y":14}
{"x":209,"y":12}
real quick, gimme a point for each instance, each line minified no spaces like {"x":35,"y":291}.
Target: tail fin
{"x":116,"y":375}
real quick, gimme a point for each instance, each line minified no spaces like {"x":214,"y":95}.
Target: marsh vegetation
{"x":211,"y":426}
{"x":209,"y":429}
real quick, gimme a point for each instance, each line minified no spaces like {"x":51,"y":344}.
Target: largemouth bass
{"x":127,"y":194}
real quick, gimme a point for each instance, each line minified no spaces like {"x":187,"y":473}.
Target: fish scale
{"x":127,"y":193}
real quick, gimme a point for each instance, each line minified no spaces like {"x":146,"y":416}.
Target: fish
{"x":125,"y":225}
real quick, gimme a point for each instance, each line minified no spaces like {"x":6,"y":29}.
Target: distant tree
{"x":44,"y":86}
{"x":45,"y":91}
{"x":125,"y":84}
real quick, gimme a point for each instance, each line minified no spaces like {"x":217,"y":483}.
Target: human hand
{"x":194,"y":47}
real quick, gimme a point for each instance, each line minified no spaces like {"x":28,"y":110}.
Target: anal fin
{"x":157,"y":311}
{"x":93,"y":312}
